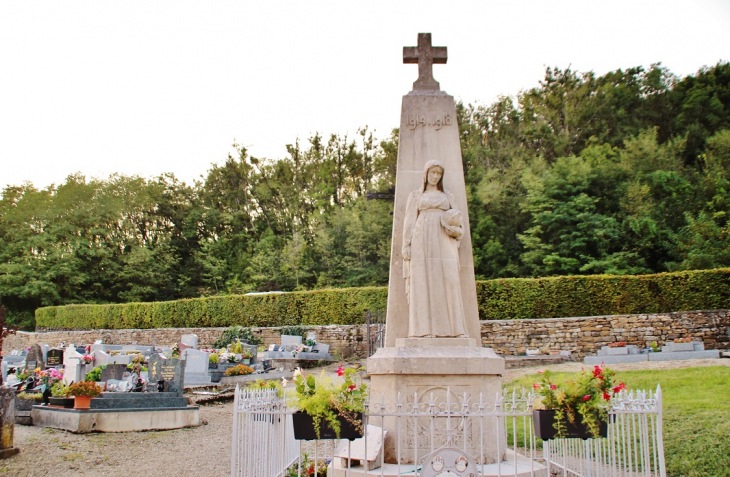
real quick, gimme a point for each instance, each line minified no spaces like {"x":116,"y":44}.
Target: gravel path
{"x":203,"y":451}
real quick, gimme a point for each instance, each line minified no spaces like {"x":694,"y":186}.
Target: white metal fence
{"x":495,"y":438}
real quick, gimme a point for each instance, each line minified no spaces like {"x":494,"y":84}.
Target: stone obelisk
{"x":425,"y":366}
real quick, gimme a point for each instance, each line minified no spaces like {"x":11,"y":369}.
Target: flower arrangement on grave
{"x":87,"y":359}
{"x":617,"y":344}
{"x":213,"y":358}
{"x":311,"y":343}
{"x":298,"y":350}
{"x":247,"y":354}
{"x":175,"y":351}
{"x":48,"y":377}
{"x":324,"y":399}
{"x":23,"y":375}
{"x":238,"y":370}
{"x":60,"y":390}
{"x":228,"y":357}
{"x":84,"y":388}
{"x":584,"y":400}
{"x":683,"y":340}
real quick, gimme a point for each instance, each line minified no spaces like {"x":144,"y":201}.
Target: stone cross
{"x":425,"y":55}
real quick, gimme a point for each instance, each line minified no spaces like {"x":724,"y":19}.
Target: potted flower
{"x":87,"y":359}
{"x":83,"y":392}
{"x":60,"y":396}
{"x":213,"y":361}
{"x":328,"y":409}
{"x":246,"y":356}
{"x":576,"y":408}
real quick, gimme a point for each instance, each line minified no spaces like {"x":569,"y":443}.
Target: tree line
{"x":623,"y":173}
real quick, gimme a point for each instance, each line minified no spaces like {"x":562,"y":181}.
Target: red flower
{"x":553,"y":386}
{"x":597,"y":371}
{"x":340,"y":371}
{"x":606,"y":396}
{"x":586,"y":397}
{"x":351,"y":387}
{"x":536,"y":386}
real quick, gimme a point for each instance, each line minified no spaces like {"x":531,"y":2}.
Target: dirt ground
{"x":203,"y":451}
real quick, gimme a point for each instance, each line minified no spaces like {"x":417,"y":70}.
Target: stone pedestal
{"x":7,"y":423}
{"x":425,"y":373}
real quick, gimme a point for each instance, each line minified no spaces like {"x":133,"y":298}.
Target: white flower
{"x":297,"y":372}
{"x":283,"y":382}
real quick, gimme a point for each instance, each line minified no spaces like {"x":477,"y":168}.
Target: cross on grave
{"x":425,"y":55}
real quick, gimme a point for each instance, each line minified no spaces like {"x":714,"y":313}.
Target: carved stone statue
{"x":432,"y":229}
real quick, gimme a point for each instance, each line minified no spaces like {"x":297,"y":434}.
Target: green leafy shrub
{"x":503,"y":299}
{"x":236,"y":334}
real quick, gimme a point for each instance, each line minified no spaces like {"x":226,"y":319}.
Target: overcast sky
{"x":151,"y":87}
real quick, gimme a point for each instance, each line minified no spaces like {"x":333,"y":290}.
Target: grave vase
{"x":82,"y":402}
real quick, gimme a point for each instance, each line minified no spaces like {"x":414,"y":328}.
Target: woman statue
{"x":432,"y":230}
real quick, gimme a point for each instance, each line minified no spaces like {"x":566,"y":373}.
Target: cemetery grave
{"x":671,"y":351}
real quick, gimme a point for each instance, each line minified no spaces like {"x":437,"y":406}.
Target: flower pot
{"x":246,"y":361}
{"x":26,"y":404}
{"x":66,"y":403}
{"x":212,"y":365}
{"x":304,"y":428}
{"x":82,"y":402}
{"x":544,"y":424}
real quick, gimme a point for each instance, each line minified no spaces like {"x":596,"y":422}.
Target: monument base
{"x":424,"y":374}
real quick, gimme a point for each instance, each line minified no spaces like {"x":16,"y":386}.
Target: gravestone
{"x":431,"y":255}
{"x":10,"y":361}
{"x":44,"y":352}
{"x":169,"y":370}
{"x":190,"y":340}
{"x":54,"y":358}
{"x":289,"y":340}
{"x":101,"y":358}
{"x":196,"y":367}
{"x":34,"y":359}
{"x":321,"y":348}
{"x":113,"y":371}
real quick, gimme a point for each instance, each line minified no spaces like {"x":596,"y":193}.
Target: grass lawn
{"x":696,"y":415}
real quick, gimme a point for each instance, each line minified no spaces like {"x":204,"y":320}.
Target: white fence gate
{"x":496,"y":436}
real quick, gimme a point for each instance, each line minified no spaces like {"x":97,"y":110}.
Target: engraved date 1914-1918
{"x":437,"y":120}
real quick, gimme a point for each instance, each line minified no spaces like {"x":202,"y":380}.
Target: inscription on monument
{"x":431,"y":119}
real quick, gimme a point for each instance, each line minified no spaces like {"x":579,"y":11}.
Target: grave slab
{"x":627,"y":358}
{"x":682,"y":355}
{"x":115,"y":420}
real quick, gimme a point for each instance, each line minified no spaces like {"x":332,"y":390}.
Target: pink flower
{"x":586,"y":397}
{"x":539,"y":372}
{"x":340,"y":371}
{"x":553,"y":386}
{"x":536,"y":386}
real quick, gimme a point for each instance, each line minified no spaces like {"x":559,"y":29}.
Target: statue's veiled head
{"x":427,"y":168}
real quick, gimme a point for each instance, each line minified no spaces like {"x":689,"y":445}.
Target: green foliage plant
{"x":236,"y":334}
{"x":95,"y":374}
{"x":84,"y":388}
{"x":30,"y":396}
{"x":323,"y":398}
{"x":585,"y":399}
{"x":60,"y":390}
{"x":213,"y":358}
{"x":237,"y":347}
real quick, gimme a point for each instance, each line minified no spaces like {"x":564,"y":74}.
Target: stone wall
{"x":583,"y":336}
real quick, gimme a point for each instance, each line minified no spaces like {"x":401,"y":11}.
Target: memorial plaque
{"x":55,"y":357}
{"x":113,"y":371}
{"x":169,"y":370}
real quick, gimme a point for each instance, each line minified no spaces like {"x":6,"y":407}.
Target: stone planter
{"x":683,"y":346}
{"x":544,"y":423}
{"x":617,"y":351}
{"x":26,"y":404}
{"x":304,"y":428}
{"x":67,"y":403}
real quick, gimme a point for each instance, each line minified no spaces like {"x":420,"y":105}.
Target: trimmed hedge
{"x":596,"y":295}
{"x":514,"y":298}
